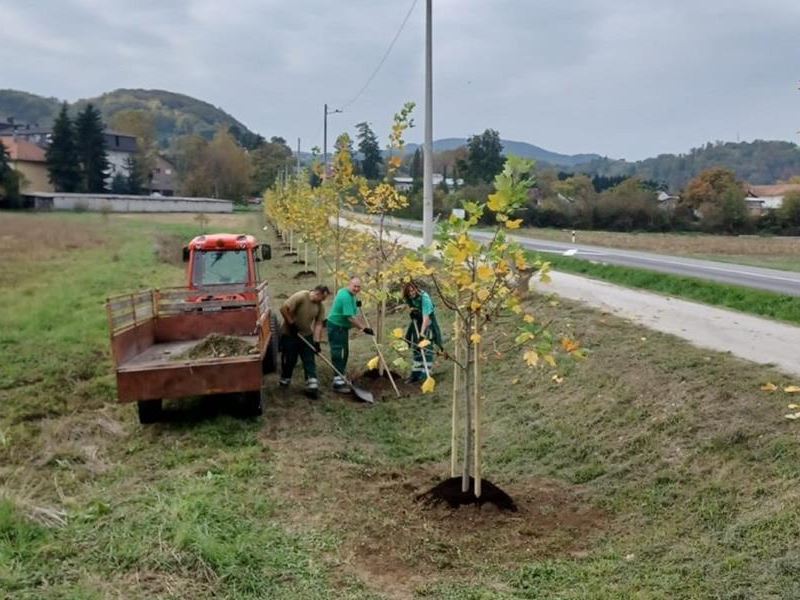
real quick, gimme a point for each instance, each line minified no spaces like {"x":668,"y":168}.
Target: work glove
{"x":293,"y":329}
{"x":415,"y":314}
{"x":368,"y":331}
{"x":317,"y":348}
{"x":358,"y":303}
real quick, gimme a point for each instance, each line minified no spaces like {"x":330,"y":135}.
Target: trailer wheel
{"x":270,"y":364}
{"x":149,"y":411}
{"x":254,"y":403}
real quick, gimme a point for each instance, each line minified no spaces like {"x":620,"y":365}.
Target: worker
{"x":303,"y":316}
{"x":423,"y":326}
{"x":344,"y":315}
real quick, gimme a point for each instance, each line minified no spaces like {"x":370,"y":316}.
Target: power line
{"x":383,"y":59}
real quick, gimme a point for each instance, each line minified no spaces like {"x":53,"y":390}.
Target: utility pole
{"x":325,"y":140}
{"x":298,"y":157}
{"x":427,"y":178}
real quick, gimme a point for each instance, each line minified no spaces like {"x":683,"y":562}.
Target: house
{"x":403,"y":184}
{"x":163,"y":181}
{"x":764,"y":198}
{"x":29,"y":159}
{"x":667,"y":201}
{"x":120,"y":148}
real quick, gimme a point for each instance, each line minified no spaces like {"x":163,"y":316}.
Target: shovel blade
{"x":362,"y":394}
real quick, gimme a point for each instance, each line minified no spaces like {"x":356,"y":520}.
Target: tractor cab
{"x":216,"y":261}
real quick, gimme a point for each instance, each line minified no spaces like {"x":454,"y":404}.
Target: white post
{"x":427,"y":179}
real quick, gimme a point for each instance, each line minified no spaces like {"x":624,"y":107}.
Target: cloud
{"x":627,"y":79}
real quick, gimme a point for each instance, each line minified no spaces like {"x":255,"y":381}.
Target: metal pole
{"x":325,"y":144}
{"x":427,"y":180}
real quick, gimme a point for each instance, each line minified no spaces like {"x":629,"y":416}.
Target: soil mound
{"x":218,"y":346}
{"x":449,"y":492}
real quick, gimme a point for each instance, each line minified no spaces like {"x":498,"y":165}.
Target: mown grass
{"x":775,"y":306}
{"x":687,"y":472}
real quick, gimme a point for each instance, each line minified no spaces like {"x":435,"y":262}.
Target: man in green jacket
{"x":342,"y":317}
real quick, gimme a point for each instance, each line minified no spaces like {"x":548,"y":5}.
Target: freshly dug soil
{"x":449,"y":492}
{"x":218,"y":346}
{"x":302,"y":274}
{"x":290,"y":253}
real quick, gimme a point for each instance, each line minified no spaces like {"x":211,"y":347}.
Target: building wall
{"x":35,"y":174}
{"x":122,"y":203}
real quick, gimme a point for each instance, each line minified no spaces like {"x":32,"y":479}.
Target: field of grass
{"x":654,"y":470}
{"x":759,"y":251}
{"x":767,"y":304}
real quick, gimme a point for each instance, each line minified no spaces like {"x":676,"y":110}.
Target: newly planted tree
{"x":477,"y":281}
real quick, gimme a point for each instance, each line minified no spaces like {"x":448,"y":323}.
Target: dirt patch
{"x":218,"y":346}
{"x":451,"y":492}
{"x":381,"y":386}
{"x":302,"y":274}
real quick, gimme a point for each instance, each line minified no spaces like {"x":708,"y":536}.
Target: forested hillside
{"x":175,"y":114}
{"x":758,"y":162}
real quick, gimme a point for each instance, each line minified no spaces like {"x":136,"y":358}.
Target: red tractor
{"x":151,"y":331}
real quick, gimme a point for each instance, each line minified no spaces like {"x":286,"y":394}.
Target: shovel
{"x":360,"y":393}
{"x":380,"y":354}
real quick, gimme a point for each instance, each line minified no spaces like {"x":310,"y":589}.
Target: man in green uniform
{"x":343,"y":316}
{"x":303,"y":315}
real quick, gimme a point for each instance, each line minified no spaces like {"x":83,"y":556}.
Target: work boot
{"x":283,"y":382}
{"x":312,"y":388}
{"x":340,"y":385}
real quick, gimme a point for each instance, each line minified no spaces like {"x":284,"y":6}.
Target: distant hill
{"x":522,"y":149}
{"x":758,"y":162}
{"x":175,"y":114}
{"x":28,"y":108}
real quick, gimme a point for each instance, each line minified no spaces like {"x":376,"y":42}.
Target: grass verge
{"x":651,"y":470}
{"x":766,"y":304}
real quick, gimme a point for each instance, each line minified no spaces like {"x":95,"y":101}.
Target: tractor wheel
{"x":270,"y":364}
{"x":149,"y":411}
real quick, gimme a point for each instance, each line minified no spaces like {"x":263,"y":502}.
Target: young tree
{"x":474,"y":278}
{"x":63,"y":164}
{"x":134,"y":183}
{"x":91,"y":147}
{"x":119,"y":184}
{"x":790,"y":209}
{"x":484,"y":158}
{"x":370,"y":150}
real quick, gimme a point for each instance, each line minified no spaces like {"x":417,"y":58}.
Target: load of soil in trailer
{"x":215,"y":345}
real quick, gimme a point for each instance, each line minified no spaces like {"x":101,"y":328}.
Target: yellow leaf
{"x":424,"y":343}
{"x":514,"y":224}
{"x":373,"y":363}
{"x":793,"y":416}
{"x":794,"y":406}
{"x":429,"y":385}
{"x":528,"y":318}
{"x":557,"y":379}
{"x":515,"y":381}
{"x":531,"y":357}
{"x":792,"y":389}
{"x":475,"y":338}
{"x":769,"y":387}
{"x":485,"y":272}
{"x":549,"y":359}
{"x":497,"y":202}
{"x":398,"y":333}
{"x":569,"y":345}
{"x":483,"y":295}
{"x":474,"y":306}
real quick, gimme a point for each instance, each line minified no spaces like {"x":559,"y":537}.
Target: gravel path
{"x":755,"y":339}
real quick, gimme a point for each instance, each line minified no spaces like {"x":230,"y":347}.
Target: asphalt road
{"x":773,"y":280}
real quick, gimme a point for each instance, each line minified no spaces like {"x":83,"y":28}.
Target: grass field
{"x":655,"y":470}
{"x":759,"y":251}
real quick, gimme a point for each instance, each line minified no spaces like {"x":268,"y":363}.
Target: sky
{"x":626,"y":79}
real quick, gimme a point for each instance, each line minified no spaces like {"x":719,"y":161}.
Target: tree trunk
{"x":454,"y":419}
{"x":467,"y":411}
{"x":476,"y":409}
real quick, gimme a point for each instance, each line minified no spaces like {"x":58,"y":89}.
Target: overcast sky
{"x":629,"y":79}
